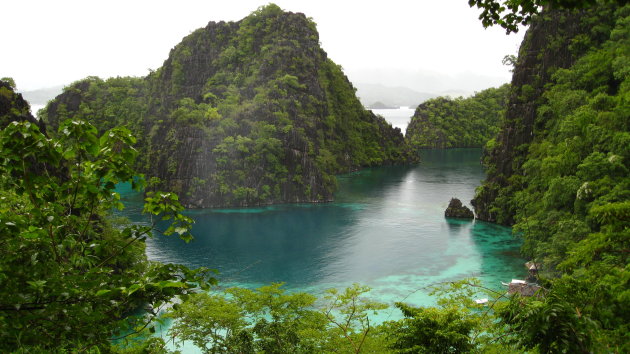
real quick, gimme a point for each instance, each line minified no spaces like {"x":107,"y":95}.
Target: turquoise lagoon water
{"x":386,"y":229}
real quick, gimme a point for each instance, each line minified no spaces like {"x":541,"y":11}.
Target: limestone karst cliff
{"x":243,"y":113}
{"x":558,"y":172}
{"x":13,"y":107}
{"x":555,"y":41}
{"x":444,"y":122}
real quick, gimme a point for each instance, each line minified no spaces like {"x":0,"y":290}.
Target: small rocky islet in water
{"x":456,"y":209}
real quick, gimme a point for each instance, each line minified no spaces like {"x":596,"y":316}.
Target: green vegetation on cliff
{"x":243,"y":113}
{"x":462,"y":122}
{"x":106,"y":104}
{"x":559,"y":172}
{"x":70,"y":275}
{"x":73,"y":279}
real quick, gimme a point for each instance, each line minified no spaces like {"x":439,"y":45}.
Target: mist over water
{"x":386,"y":229}
{"x":399,"y":118}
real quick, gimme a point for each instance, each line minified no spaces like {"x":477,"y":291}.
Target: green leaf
{"x":132,"y":289}
{"x":171,"y":284}
{"x":103,"y":292}
{"x":181,"y":230}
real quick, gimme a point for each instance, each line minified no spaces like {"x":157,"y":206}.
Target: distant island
{"x":371,"y":94}
{"x":43,"y":95}
{"x":381,"y":105}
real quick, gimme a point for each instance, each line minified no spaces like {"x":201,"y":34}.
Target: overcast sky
{"x":429,"y":45}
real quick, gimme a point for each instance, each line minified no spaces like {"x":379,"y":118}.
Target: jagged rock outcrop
{"x":14,"y":108}
{"x":555,"y":40}
{"x":443,"y":122}
{"x":243,"y":113}
{"x":456,"y":209}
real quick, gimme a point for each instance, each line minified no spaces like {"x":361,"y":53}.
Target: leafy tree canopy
{"x":70,"y":275}
{"x":509,"y":14}
{"x":443,"y":122}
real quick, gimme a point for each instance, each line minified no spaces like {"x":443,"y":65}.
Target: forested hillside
{"x":456,"y":123}
{"x":75,"y":279}
{"x":242,"y":113}
{"x":559,"y":172}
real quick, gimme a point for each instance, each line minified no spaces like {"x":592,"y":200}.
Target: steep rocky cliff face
{"x":243,"y":113}
{"x":559,"y":172}
{"x":555,"y":40}
{"x":443,"y":122}
{"x":14,"y":108}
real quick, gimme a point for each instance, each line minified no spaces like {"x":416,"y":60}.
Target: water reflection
{"x":458,"y":226}
{"x":284,"y":244}
{"x":385,"y":229}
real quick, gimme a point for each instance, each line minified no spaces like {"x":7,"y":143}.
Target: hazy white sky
{"x":47,"y":43}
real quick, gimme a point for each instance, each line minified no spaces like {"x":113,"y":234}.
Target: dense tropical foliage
{"x":461,"y":122}
{"x":73,"y":278}
{"x":510,"y":14}
{"x":242,"y":113}
{"x":567,"y":191}
{"x":70,"y":276}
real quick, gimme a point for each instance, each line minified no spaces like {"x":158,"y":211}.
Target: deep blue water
{"x":386,"y":229}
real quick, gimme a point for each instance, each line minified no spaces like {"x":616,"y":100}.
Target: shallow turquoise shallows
{"x":386,"y":230}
